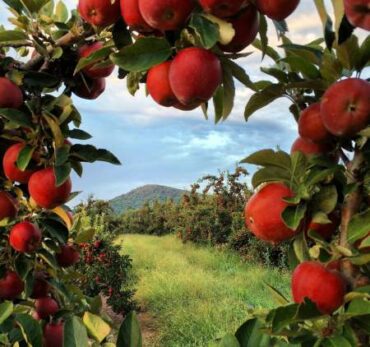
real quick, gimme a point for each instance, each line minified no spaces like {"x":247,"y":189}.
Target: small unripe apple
{"x":246,"y":25}
{"x":46,"y":307}
{"x":358,"y":13}
{"x":25,"y":237}
{"x":132,"y":16}
{"x":345,"y":107}
{"x":222,"y":8}
{"x":89,"y":89}
{"x":311,"y":126}
{"x":53,"y":335}
{"x":310,"y":148}
{"x":100,"y":13}
{"x":67,"y":256}
{"x":322,"y":286}
{"x":91,"y":71}
{"x":43,"y":190}
{"x":158,"y":85}
{"x":41,"y":287}
{"x":263,"y":213}
{"x":277,"y":9}
{"x":166,"y":14}
{"x":8,"y":206}
{"x":10,"y":94}
{"x":11,"y":286}
{"x":195,"y":74}
{"x":11,"y":170}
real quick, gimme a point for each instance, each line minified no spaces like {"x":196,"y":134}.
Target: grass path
{"x":190,"y":294}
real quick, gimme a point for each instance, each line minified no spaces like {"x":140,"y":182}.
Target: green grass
{"x":196,"y":294}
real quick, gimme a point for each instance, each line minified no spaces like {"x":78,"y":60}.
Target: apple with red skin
{"x":100,"y":13}
{"x":41,"y":287}
{"x":324,"y":287}
{"x":309,"y":148}
{"x":46,"y":307}
{"x":277,"y":9}
{"x":43,"y":190}
{"x":132,"y":16}
{"x":269,"y":226}
{"x":222,"y":8}
{"x":158,"y":85}
{"x":345,"y":107}
{"x":53,"y":335}
{"x":181,"y":107}
{"x":195,"y":74}
{"x":246,"y":26}
{"x":11,"y":170}
{"x":25,"y":237}
{"x":88,"y":88}
{"x":311,"y":126}
{"x":11,"y":286}
{"x":67,"y":256}
{"x":166,"y":14}
{"x":90,"y":70}
{"x":326,"y":230}
{"x":8,"y":206}
{"x":10,"y":94}
{"x":358,"y":13}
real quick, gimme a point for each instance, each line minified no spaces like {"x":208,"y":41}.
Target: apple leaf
{"x":207,"y":31}
{"x":75,"y":334}
{"x":31,"y":329}
{"x":96,"y":326}
{"x":6,"y":310}
{"x":24,"y":157}
{"x":359,"y":226}
{"x":129,"y":334}
{"x":250,"y":334}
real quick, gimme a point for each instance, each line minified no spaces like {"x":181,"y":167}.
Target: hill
{"x":148,"y":193}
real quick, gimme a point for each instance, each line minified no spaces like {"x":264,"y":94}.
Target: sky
{"x":164,"y":146}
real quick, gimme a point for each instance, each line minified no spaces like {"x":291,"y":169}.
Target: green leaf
{"x":6,"y":310}
{"x":239,"y":73}
{"x":75,"y":334}
{"x":40,"y":79}
{"x":95,"y":57}
{"x":269,"y":51}
{"x":15,"y":4}
{"x":271,"y":174}
{"x":56,"y":229}
{"x":263,"y":34}
{"x":302,"y":65}
{"x":227,"y":341}
{"x":61,"y":12}
{"x":129,"y":334}
{"x":31,"y":329}
{"x":91,"y":154}
{"x":79,"y":134}
{"x":326,"y":199}
{"x":208,"y":31}
{"x":300,"y":248}
{"x":96,"y":326}
{"x":268,"y":157}
{"x":143,"y":54}
{"x":293,"y":215}
{"x":62,"y":173}
{"x":85,"y":235}
{"x":121,"y":36}
{"x":61,"y":155}
{"x":9,"y":37}
{"x":358,"y":227}
{"x":280,"y":298}
{"x":336,"y":341}
{"x":16,"y":116}
{"x":358,"y":307}
{"x":250,"y":334}
{"x":24,"y":157}
{"x":263,"y":98}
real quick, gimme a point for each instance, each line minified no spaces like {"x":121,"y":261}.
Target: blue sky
{"x":165,"y":146}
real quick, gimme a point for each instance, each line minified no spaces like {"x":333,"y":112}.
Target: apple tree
{"x":185,"y":52}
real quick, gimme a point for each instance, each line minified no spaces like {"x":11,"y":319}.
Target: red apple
{"x":46,"y":307}
{"x":311,"y":126}
{"x":11,"y":286}
{"x":43,"y":190}
{"x":263,"y":213}
{"x":182,"y":107}
{"x":277,"y":9}
{"x":89,"y":89}
{"x":67,"y":256}
{"x":132,"y":16}
{"x":322,"y":286}
{"x":246,"y":25}
{"x":358,"y":13}
{"x":100,"y":13}
{"x":11,"y":170}
{"x":53,"y":335}
{"x":166,"y":14}
{"x":10,"y":94}
{"x":195,"y":74}
{"x":90,"y":70}
{"x":310,"y":148}
{"x":25,"y":237}
{"x":41,"y":287}
{"x":345,"y":107}
{"x":222,"y":8}
{"x":158,"y":85}
{"x":326,"y":230}
{"x":8,"y":206}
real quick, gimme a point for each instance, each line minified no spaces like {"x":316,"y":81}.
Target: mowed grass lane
{"x":195,"y":294}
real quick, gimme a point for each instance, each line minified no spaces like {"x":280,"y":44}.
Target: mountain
{"x":148,"y":193}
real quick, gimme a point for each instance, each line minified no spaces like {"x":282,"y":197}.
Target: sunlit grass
{"x":196,"y":294}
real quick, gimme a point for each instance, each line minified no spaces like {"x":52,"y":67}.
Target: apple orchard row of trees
{"x":185,"y":52}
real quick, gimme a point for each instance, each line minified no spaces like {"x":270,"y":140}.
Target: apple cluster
{"x":344,"y":111}
{"x":193,"y":74}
